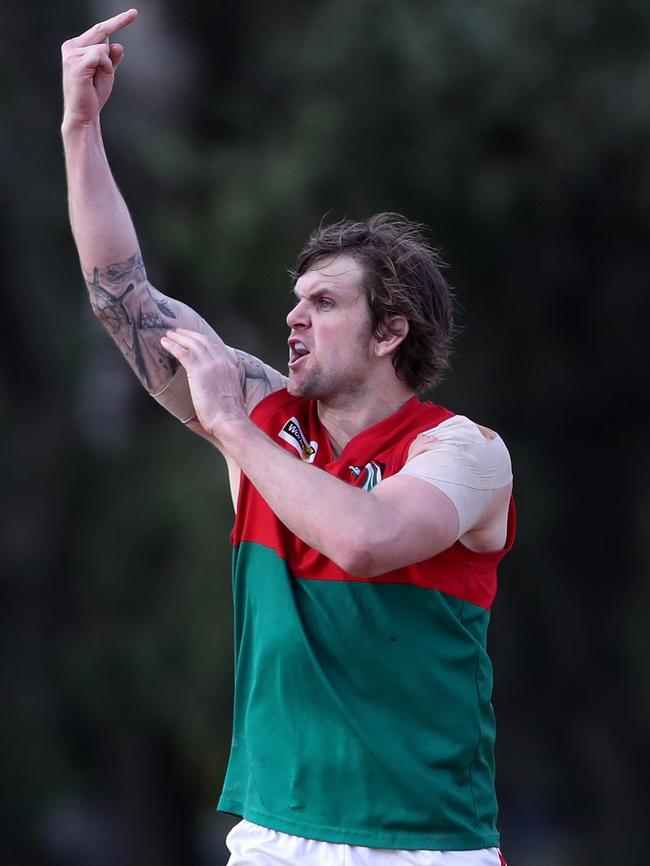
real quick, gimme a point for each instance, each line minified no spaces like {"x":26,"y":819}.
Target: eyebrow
{"x":317,"y":292}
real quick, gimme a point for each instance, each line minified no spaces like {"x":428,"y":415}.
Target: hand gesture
{"x":89,"y":64}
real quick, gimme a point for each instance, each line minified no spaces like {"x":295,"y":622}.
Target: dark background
{"x":518,"y":130}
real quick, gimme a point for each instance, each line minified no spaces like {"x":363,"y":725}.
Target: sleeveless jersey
{"x":362,"y":705}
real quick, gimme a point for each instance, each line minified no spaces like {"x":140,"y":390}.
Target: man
{"x":368,"y":530}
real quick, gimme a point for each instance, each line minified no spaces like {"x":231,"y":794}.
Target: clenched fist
{"x":89,"y":64}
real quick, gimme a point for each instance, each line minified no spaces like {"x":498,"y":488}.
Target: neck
{"x":344,"y":420}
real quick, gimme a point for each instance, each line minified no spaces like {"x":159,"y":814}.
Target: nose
{"x":298,"y":316}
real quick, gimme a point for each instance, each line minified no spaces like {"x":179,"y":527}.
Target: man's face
{"x":331,"y":342}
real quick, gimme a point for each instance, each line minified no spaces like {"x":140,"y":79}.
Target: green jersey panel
{"x":362,"y":710}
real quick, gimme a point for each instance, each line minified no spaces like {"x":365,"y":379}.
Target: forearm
{"x":100,"y":220}
{"x":329,"y":515}
{"x":131,"y":310}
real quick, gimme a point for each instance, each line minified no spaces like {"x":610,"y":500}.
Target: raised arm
{"x":134,"y":313}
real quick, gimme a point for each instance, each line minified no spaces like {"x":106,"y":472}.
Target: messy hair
{"x":402,"y":277}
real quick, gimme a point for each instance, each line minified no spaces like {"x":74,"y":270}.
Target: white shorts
{"x":252,"y":845}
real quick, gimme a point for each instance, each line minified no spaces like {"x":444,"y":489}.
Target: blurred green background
{"x":519,"y":131}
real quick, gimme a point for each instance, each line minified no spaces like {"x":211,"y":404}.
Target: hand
{"x":214,"y":380}
{"x":89,"y":65}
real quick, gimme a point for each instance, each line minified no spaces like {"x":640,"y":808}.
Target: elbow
{"x":356,"y":556}
{"x":95,"y":306}
{"x":107,"y":310}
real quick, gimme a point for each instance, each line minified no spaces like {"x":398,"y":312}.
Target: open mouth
{"x":297,"y":351}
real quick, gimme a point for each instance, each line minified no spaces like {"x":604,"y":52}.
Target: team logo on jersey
{"x":292,"y":434}
{"x":369,"y":475}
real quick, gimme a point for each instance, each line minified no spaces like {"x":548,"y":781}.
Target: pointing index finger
{"x":104,"y":29}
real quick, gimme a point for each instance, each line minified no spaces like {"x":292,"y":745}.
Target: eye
{"x":325,"y":303}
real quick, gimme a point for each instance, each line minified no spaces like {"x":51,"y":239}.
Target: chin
{"x":305,"y":389}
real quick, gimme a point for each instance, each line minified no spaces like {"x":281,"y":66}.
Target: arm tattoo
{"x":136,"y":316}
{"x":257,"y":379}
{"x":253,"y":371}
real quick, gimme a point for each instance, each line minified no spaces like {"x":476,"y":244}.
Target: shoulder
{"x":461,"y":450}
{"x":471,"y":465}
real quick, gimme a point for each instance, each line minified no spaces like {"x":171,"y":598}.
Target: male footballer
{"x":369,"y":526}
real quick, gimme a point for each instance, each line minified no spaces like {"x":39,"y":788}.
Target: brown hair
{"x":402,"y":278}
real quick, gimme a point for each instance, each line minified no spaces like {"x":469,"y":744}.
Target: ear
{"x":390,"y":334}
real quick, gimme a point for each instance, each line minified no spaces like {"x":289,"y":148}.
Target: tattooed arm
{"x":136,"y":316}
{"x":133,"y":312}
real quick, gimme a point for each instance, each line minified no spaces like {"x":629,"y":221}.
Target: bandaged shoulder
{"x":466,"y":462}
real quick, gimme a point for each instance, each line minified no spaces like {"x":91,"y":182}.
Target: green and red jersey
{"x":362,"y":705}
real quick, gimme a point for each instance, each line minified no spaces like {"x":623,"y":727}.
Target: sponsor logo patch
{"x":292,"y":433}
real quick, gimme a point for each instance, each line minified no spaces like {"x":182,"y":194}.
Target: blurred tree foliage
{"x":520,"y":132}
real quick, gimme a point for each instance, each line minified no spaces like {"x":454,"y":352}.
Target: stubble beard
{"x":313,"y":386}
{"x":326,"y":386}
